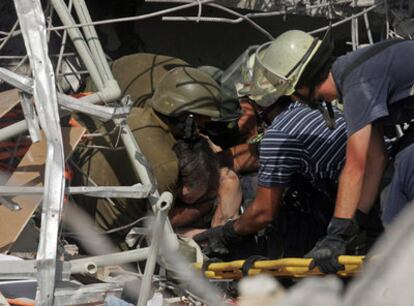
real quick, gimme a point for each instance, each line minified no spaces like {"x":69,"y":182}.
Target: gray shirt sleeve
{"x":364,"y":102}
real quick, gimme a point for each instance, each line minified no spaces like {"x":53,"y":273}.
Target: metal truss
{"x":49,"y":104}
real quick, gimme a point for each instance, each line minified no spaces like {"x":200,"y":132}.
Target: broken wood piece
{"x":30,"y":172}
{"x":8,"y":100}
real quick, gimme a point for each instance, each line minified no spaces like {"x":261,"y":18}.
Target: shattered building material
{"x":56,"y":144}
{"x":30,"y":172}
{"x":8,"y":100}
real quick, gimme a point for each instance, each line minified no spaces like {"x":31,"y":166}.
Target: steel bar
{"x":162,"y":208}
{"x":63,"y":44}
{"x":346,"y":19}
{"x":132,"y":18}
{"x":131,"y":192}
{"x":19,"y":81}
{"x":223,"y":8}
{"x":354,"y":30}
{"x":90,"y":180}
{"x":84,"y":104}
{"x":9,"y":204}
{"x":13,"y":130}
{"x":267,"y":14}
{"x":204,"y":19}
{"x":93,"y":40}
{"x":143,"y":171}
{"x":111,"y":90}
{"x":247,"y":19}
{"x":285,"y":11}
{"x":79,"y":42}
{"x":89,"y":264}
{"x":28,"y":269}
{"x":32,"y":23}
{"x":91,"y":294}
{"x":10,"y":35}
{"x":368,"y":28}
{"x":30,"y":117}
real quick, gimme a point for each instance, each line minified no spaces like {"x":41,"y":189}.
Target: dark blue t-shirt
{"x":370,"y":88}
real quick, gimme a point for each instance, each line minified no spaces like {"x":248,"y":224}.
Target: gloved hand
{"x":326,"y":251}
{"x":219,"y":239}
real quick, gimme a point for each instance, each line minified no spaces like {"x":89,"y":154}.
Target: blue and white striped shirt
{"x":298,"y":141}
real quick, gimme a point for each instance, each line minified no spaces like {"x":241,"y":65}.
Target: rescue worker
{"x":297,"y":143}
{"x":184,"y":100}
{"x":375,"y":86}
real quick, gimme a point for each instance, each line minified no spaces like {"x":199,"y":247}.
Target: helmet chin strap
{"x":328,"y":114}
{"x":187,"y":128}
{"x":324,"y":107}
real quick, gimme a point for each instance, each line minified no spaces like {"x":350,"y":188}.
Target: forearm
{"x":241,"y":158}
{"x":260,"y":212}
{"x":229,"y":197}
{"x":354,"y":172}
{"x":349,"y":191}
{"x":253,"y":220}
{"x":376,"y":163}
{"x":183,"y":215}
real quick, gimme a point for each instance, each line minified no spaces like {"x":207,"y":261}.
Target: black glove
{"x":219,"y":239}
{"x":326,"y":251}
{"x":370,"y":226}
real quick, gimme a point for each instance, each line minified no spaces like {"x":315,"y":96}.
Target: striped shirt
{"x":299,"y":142}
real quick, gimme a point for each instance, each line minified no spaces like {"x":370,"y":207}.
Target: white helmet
{"x":280,"y":63}
{"x":236,"y":79}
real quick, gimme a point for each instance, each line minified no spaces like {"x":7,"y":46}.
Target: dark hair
{"x":317,"y":70}
{"x":197,"y":164}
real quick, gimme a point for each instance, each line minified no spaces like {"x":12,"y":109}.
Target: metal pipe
{"x":133,"y":18}
{"x":85,"y":265}
{"x":91,"y":38}
{"x":63,"y":44}
{"x":30,"y":116}
{"x":354,"y":29}
{"x":144,"y":173}
{"x":103,"y":112}
{"x":33,"y":26}
{"x":162,"y":207}
{"x":368,"y":27}
{"x":129,"y":192}
{"x":13,"y":130}
{"x":78,"y":42}
{"x":346,"y":19}
{"x":10,"y":35}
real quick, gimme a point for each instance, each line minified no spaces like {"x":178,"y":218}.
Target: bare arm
{"x":183,"y":215}
{"x":240,"y":158}
{"x":376,"y":163}
{"x":360,"y":177}
{"x":229,"y":197}
{"x":260,"y":212}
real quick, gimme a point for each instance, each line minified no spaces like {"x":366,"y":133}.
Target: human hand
{"x":326,"y":251}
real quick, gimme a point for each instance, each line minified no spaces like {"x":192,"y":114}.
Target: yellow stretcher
{"x":285,"y":267}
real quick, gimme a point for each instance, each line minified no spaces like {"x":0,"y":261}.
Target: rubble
{"x":36,"y":192}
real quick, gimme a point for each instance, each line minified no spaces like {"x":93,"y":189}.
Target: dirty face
{"x":190,"y":194}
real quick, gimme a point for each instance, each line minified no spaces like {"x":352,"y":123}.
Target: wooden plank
{"x":8,"y":100}
{"x":30,"y":172}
